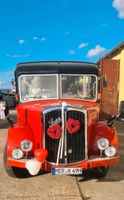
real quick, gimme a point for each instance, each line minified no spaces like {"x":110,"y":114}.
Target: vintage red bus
{"x":58,"y":127}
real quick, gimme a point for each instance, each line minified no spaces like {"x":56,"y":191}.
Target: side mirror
{"x":121,"y":116}
{"x":114,"y":118}
{"x":13,"y":82}
{"x":4,"y":111}
{"x":104,"y":81}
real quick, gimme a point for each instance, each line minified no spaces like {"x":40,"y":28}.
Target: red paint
{"x":40,"y":154}
{"x":16,"y":135}
{"x":99,"y":130}
{"x":30,"y":126}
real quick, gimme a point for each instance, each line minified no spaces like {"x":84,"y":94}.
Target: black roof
{"x":60,"y":67}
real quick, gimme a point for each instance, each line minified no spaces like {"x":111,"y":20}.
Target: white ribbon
{"x":33,"y":166}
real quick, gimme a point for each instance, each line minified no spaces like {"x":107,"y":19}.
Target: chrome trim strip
{"x":90,"y":160}
{"x":94,"y":107}
{"x":86,"y":137}
{"x":65,"y":147}
{"x":58,"y":153}
{"x":63,"y":128}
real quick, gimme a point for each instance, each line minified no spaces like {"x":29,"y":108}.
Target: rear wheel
{"x":14,"y":171}
{"x":100,"y":172}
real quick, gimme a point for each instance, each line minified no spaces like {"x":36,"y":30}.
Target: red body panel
{"x":30,"y":126}
{"x":100,"y":130}
{"x":16,"y":135}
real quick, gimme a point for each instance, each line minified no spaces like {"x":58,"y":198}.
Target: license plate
{"x":66,"y":171}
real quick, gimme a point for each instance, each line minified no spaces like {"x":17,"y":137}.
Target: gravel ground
{"x":52,"y":187}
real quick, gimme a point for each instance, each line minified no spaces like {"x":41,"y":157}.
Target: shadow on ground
{"x":116,"y":172}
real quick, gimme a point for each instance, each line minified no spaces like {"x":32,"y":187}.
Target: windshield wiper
{"x":33,"y":97}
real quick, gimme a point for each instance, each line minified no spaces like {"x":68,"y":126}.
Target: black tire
{"x":121,"y":106}
{"x":14,"y":171}
{"x":100,"y":172}
{"x":121,"y":118}
{"x":1,"y":97}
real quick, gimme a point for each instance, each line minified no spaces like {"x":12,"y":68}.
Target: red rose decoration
{"x":72,"y":126}
{"x":55,"y":131}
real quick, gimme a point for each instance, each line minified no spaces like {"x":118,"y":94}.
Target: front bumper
{"x":87,"y":164}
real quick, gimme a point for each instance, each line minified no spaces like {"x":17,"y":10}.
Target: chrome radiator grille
{"x":51,"y":144}
{"x":69,"y":148}
{"x":76,"y":142}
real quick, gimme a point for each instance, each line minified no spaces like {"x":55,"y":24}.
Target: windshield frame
{"x":59,"y":87}
{"x":37,"y":99}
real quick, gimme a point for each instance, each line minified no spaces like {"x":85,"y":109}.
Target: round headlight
{"x":102,"y":143}
{"x":17,"y":153}
{"x":26,"y":145}
{"x":110,"y":151}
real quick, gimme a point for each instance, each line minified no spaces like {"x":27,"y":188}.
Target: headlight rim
{"x":23,"y":143}
{"x":15,"y":157}
{"x":112,"y":146}
{"x":100,"y":145}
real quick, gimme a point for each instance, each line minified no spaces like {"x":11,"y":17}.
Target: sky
{"x":64,"y":30}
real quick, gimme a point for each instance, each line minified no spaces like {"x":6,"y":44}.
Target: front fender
{"x":16,"y":134}
{"x":100,"y":130}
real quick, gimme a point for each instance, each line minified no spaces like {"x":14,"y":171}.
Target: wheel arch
{"x":16,"y":134}
{"x":102,"y":130}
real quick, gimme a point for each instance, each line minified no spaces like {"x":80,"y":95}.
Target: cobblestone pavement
{"x":52,"y":187}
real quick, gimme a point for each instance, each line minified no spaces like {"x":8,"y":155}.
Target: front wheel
{"x":100,"y":172}
{"x":14,"y":171}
